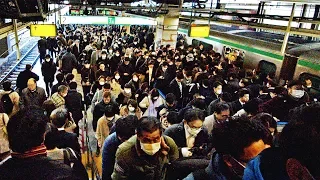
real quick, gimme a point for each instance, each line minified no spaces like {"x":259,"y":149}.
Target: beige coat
{"x":116,"y":89}
{"x":103,"y":129}
{"x":15,"y":98}
{"x":4,"y":143}
{"x":124,"y":111}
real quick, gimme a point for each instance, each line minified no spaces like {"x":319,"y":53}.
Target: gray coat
{"x":29,"y":98}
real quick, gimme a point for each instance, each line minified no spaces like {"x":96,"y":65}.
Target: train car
{"x":261,"y":53}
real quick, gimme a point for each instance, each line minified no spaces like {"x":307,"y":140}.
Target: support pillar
{"x":16,"y":37}
{"x":167,"y":30}
{"x":288,"y":67}
{"x":286,"y":36}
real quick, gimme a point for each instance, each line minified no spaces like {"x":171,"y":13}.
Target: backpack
{"x":7,"y":103}
{"x":71,"y":159}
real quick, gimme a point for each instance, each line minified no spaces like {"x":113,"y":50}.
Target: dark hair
{"x":125,"y":127}
{"x":199,"y":103}
{"x":245,"y":81}
{"x":106,"y":86}
{"x":51,"y":138}
{"x":231,"y":137}
{"x":252,"y":106}
{"x":62,"y":88}
{"x":26,"y":129}
{"x":216,"y":84}
{"x":108,"y":111}
{"x":133,"y":103}
{"x":69,"y":77}
{"x":295,"y":83}
{"x":154,"y":92}
{"x":6,"y":86}
{"x":59,"y":77}
{"x":221,"y":106}
{"x":48,"y":106}
{"x":172,"y":117}
{"x":148,"y":124}
{"x":180,"y":75}
{"x":73,"y":85}
{"x":301,"y":141}
{"x":106,"y":94}
{"x":59,"y":117}
{"x":227,"y":97}
{"x":194,"y":114}
{"x":170,"y":98}
{"x":28,"y":66}
{"x":243,"y":92}
{"x":68,"y":49}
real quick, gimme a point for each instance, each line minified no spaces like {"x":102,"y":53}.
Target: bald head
{"x":32,"y":84}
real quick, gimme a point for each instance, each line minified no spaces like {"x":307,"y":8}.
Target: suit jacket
{"x":74,"y":104}
{"x":178,"y":134}
{"x":235,"y":106}
{"x":174,"y":88}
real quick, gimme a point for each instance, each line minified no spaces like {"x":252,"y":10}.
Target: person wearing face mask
{"x":217,"y":91}
{"x":125,"y":95}
{"x":192,"y":140}
{"x":105,"y":124}
{"x":134,"y":83}
{"x":236,"y":142}
{"x":131,"y":109}
{"x":48,"y":70}
{"x":87,"y":77}
{"x":32,"y":95}
{"x":279,"y":106}
{"x":125,"y":70}
{"x":190,"y":135}
{"x":97,"y":85}
{"x":58,"y":97}
{"x":151,"y":102}
{"x":115,"y":61}
{"x":154,"y":151}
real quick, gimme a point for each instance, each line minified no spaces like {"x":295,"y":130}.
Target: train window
{"x":266,"y":67}
{"x":314,"y":79}
{"x":206,"y":46}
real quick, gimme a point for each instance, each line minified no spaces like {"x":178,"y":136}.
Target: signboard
{"x":37,"y":30}
{"x":105,"y":20}
{"x":196,"y":30}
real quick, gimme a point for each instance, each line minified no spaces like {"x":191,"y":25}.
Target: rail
{"x":17,"y":63}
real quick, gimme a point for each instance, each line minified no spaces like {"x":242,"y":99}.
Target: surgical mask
{"x":117,"y":77}
{"x":131,"y":109}
{"x":110,"y":51}
{"x":101,"y":83}
{"x":155,"y":98}
{"x":109,"y":118}
{"x":297,"y":93}
{"x":164,"y":69}
{"x":135,"y":43}
{"x":135,"y":79}
{"x":177,"y":57}
{"x":219,"y":91}
{"x":103,"y":56}
{"x":117,"y":54}
{"x":150,"y":149}
{"x":87,"y":66}
{"x":192,"y":131}
{"x":48,"y":59}
{"x":128,"y":91}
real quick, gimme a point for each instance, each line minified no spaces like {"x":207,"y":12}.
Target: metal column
{"x":286,"y":36}
{"x":15,"y":28}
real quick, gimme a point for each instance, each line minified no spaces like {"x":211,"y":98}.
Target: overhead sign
{"x":110,"y":20}
{"x":196,"y":30}
{"x":43,"y":30}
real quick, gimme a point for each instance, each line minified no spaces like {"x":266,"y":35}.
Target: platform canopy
{"x":110,"y":20}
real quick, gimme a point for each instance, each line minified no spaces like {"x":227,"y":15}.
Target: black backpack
{"x":7,"y":103}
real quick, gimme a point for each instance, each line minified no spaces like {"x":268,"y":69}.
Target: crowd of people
{"x":183,"y":112}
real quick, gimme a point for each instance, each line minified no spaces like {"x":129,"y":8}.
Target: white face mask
{"x":131,"y":109}
{"x":109,"y":118}
{"x":219,"y":91}
{"x":150,"y":149}
{"x":48,"y":59}
{"x":117,"y":54}
{"x":155,"y":98}
{"x":164,"y":69}
{"x":87,"y":66}
{"x":192,"y":131}
{"x":135,"y":43}
{"x":135,"y":79}
{"x":297,"y":93}
{"x":117,"y":77}
{"x":101,"y":83}
{"x":103,"y":56}
{"x":128,"y":91}
{"x":110,"y":51}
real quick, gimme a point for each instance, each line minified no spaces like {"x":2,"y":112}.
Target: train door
{"x":265,"y":67}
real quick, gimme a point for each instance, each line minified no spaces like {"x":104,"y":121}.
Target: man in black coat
{"x":74,"y":104}
{"x":99,"y":109}
{"x":176,"y":87}
{"x":244,"y":96}
{"x":65,"y":139}
{"x":24,"y":76}
{"x":42,"y":48}
{"x":68,"y":62}
{"x":26,"y":131}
